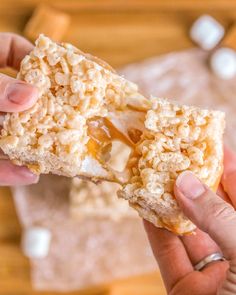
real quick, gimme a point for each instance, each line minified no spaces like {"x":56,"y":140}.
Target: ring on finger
{"x":209,"y":259}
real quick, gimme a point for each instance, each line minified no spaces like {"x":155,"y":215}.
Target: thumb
{"x":229,"y":175}
{"x":15,"y":95}
{"x":208,"y":211}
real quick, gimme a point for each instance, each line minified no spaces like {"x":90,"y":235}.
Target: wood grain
{"x":123,"y":31}
{"x":120,"y":32}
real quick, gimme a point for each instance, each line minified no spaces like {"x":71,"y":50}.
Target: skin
{"x":15,"y":96}
{"x":215,"y":217}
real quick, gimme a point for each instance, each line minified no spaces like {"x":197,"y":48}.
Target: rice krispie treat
{"x":84,"y":106}
{"x":70,"y":128}
{"x":176,"y":138}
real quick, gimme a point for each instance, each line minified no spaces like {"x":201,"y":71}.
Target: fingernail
{"x":190,"y":185}
{"x":26,"y":173}
{"x":19,"y":93}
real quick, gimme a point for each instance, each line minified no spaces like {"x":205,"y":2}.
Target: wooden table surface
{"x":120,"y":32}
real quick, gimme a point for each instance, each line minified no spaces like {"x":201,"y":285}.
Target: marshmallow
{"x":223,"y":63}
{"x":47,"y":20}
{"x":206,"y":32}
{"x":36,"y":242}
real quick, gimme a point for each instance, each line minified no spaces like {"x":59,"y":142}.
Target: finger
{"x":170,"y":254}
{"x":216,"y":274}
{"x":208,"y":211}
{"x":206,"y":282}
{"x":11,"y":175}
{"x":199,"y":246}
{"x":16,"y":95}
{"x":229,"y":174}
{"x":12,"y":50}
{"x":221,"y":192}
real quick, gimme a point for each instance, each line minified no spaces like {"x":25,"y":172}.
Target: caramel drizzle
{"x":101,"y":132}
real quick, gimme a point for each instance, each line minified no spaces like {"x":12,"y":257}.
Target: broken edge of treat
{"x":179,"y":224}
{"x":90,"y":167}
{"x":186,"y":227}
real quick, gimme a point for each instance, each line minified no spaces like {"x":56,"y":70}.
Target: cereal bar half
{"x":176,"y":138}
{"x":70,"y":128}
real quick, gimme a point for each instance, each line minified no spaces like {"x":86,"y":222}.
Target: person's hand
{"x":216,"y":222}
{"x":15,"y":96}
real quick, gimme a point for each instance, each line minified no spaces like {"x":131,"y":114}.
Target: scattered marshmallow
{"x":223,"y":63}
{"x":206,"y":32}
{"x":47,"y":20}
{"x":36,"y":242}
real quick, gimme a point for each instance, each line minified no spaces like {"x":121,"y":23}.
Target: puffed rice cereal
{"x":176,"y":138}
{"x":84,"y":106}
{"x":66,"y":132}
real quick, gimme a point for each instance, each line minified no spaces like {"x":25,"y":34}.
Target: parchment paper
{"x":82,"y":253}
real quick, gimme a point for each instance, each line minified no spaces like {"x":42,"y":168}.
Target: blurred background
{"x":182,"y":49}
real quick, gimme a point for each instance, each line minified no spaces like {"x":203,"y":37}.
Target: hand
{"x":216,"y":222}
{"x":15,"y":96}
